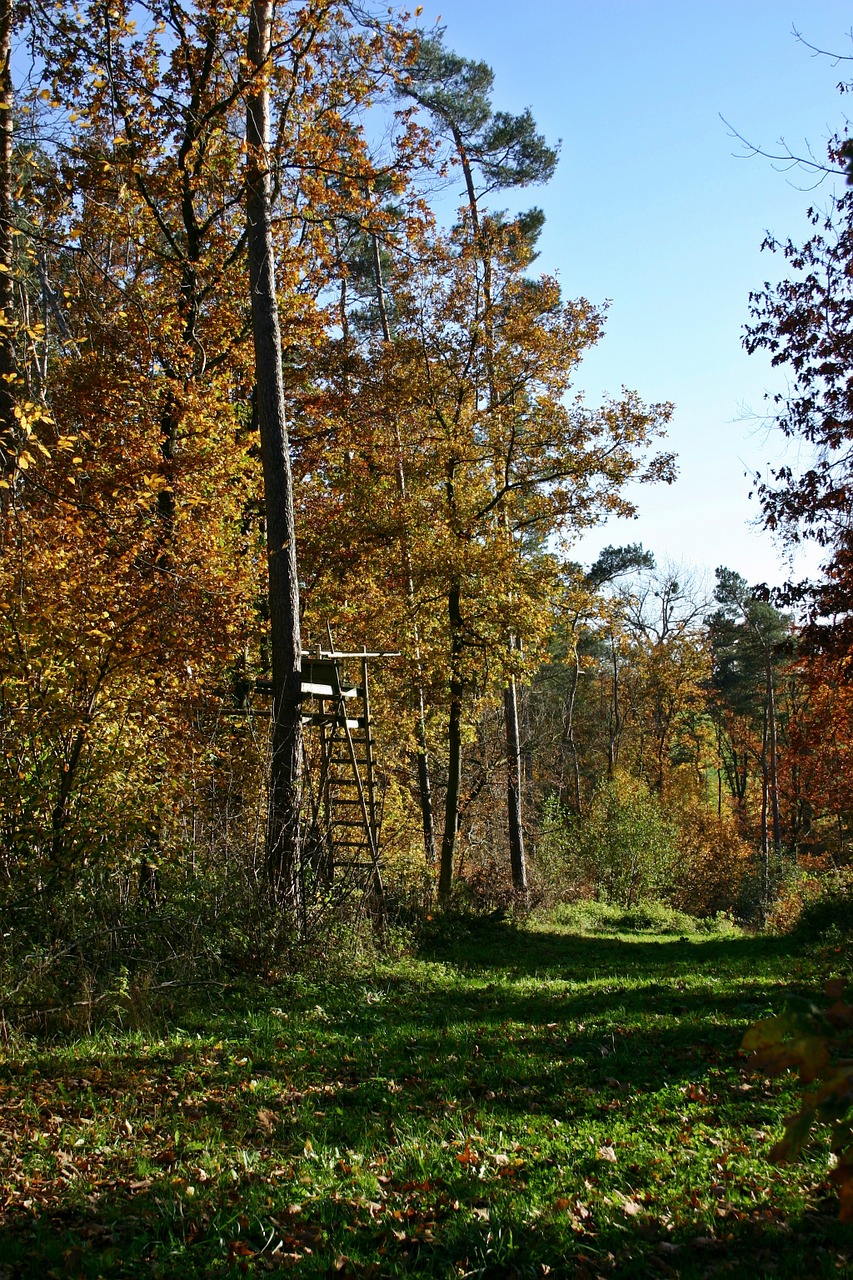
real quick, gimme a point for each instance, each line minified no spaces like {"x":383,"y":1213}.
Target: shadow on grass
{"x":160,"y":1237}
{"x":509,"y":1029}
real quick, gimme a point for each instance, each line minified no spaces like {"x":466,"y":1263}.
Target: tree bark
{"x":454,"y":748}
{"x":8,"y":363}
{"x":615,"y":728}
{"x":515,"y":831}
{"x":765,"y":856}
{"x":424,"y":786}
{"x":774,"y":757}
{"x":568,"y":739}
{"x":283,"y":843}
{"x":513,"y":788}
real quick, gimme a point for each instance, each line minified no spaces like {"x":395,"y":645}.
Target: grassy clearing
{"x":509,"y":1102}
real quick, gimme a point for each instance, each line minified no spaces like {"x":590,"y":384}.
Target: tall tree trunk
{"x":774,"y":761}
{"x":8,"y":364}
{"x":513,"y":788}
{"x":282,"y":861}
{"x":615,"y":713}
{"x":424,"y":787}
{"x":454,"y":748}
{"x":568,"y":739}
{"x":515,"y":830}
{"x":719,"y":774}
{"x":765,"y":858}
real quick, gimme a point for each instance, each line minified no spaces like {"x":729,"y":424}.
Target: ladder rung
{"x":311,"y":689}
{"x":332,"y":720}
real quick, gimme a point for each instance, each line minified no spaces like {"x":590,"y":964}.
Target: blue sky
{"x":655,"y":207}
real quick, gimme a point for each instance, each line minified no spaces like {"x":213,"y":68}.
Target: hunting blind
{"x":343,"y":801}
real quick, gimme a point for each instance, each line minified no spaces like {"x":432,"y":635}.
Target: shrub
{"x":625,"y":849}
{"x":484,"y":891}
{"x":553,"y":876}
{"x":648,"y":917}
{"x":796,"y":892}
{"x":715,"y":866}
{"x":829,"y":911}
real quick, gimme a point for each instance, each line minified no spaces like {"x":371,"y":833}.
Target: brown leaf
{"x":468,"y":1155}
{"x":267,"y":1120}
{"x":239,"y":1249}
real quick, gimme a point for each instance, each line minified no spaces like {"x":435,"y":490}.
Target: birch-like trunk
{"x":454,"y":747}
{"x":518,"y":864}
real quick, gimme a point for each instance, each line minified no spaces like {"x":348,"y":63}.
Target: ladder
{"x":343,"y":840}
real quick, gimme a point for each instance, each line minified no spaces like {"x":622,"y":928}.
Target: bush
{"x":829,"y":912}
{"x":485,"y":891}
{"x":648,"y":917}
{"x":716,"y":864}
{"x":623,"y":850}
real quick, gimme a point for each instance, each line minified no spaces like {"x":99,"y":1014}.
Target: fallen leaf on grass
{"x":607,"y":1153}
{"x":239,"y":1249}
{"x":468,"y":1155}
{"x":267,"y":1120}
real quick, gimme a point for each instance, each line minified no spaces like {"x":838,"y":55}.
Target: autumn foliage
{"x":441,"y":463}
{"x":817,"y":1042}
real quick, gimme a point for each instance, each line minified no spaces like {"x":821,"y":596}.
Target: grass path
{"x":510,"y":1102}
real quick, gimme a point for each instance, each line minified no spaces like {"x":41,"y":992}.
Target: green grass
{"x":508,"y":1102}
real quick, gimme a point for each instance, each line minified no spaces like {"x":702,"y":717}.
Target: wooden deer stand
{"x":342,"y":810}
{"x":340,"y":773}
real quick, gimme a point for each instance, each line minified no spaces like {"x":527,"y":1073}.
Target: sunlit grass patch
{"x":510,"y":1101}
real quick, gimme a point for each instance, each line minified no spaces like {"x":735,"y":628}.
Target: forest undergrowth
{"x":563,"y":1097}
